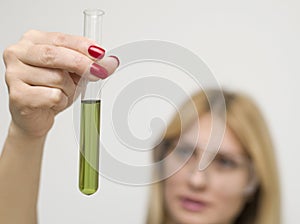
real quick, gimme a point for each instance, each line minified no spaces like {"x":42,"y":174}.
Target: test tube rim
{"x":93,"y":12}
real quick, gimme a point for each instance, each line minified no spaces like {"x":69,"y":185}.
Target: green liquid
{"x":89,"y":146}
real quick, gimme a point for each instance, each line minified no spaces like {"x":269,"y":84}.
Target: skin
{"x":42,"y":73}
{"x":221,"y":194}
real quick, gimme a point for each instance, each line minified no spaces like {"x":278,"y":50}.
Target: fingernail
{"x":96,"y":52}
{"x":115,"y":57}
{"x":98,"y":71}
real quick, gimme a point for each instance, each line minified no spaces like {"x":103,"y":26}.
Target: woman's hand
{"x":42,"y":73}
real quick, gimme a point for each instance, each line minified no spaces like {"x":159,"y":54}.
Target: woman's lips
{"x":193,"y":205}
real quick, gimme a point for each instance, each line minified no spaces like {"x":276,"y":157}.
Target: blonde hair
{"x":247,"y":123}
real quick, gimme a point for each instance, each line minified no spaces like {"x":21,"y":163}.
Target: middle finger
{"x":55,"y":78}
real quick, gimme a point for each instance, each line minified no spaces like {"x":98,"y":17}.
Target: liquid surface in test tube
{"x":89,"y":146}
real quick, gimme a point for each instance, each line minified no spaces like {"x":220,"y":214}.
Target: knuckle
{"x":78,"y":64}
{"x":28,"y":34}
{"x":83,"y":42}
{"x":59,"y":78}
{"x":24,"y":111}
{"x":9,"y":75}
{"x":56,"y":96}
{"x":9,"y":53}
{"x":48,"y":55}
{"x":59,"y":39}
{"x":12,"y":73}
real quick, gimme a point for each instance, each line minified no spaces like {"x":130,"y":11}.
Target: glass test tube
{"x":90,"y":114}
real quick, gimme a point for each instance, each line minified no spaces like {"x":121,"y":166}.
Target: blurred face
{"x":212,"y":196}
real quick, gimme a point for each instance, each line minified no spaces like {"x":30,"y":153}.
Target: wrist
{"x":20,"y":141}
{"x":19,"y":133}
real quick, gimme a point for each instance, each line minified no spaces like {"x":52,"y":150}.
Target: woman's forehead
{"x":199,"y":134}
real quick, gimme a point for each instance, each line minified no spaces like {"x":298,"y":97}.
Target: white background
{"x":251,"y":46}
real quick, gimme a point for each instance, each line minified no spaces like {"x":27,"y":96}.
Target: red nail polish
{"x":98,"y":71}
{"x":96,"y":52}
{"x":115,"y":57}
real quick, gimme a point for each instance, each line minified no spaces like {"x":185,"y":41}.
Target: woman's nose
{"x":198,"y":179}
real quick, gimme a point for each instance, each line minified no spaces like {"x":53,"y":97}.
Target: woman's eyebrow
{"x":231,"y":155}
{"x":186,"y":143}
{"x":205,"y":150}
{"x":220,"y":152}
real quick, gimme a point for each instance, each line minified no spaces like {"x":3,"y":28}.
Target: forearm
{"x":20,"y":165}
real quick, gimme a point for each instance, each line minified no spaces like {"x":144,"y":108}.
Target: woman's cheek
{"x":229,"y":200}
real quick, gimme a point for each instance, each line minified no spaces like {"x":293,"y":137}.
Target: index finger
{"x":77,"y":43}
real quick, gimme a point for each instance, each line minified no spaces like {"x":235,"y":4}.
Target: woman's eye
{"x":183,"y":152}
{"x":225,"y":163}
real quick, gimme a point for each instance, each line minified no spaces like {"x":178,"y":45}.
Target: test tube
{"x":90,"y":114}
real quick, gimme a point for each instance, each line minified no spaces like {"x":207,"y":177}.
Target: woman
{"x":239,"y":186}
{"x":42,"y":73}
